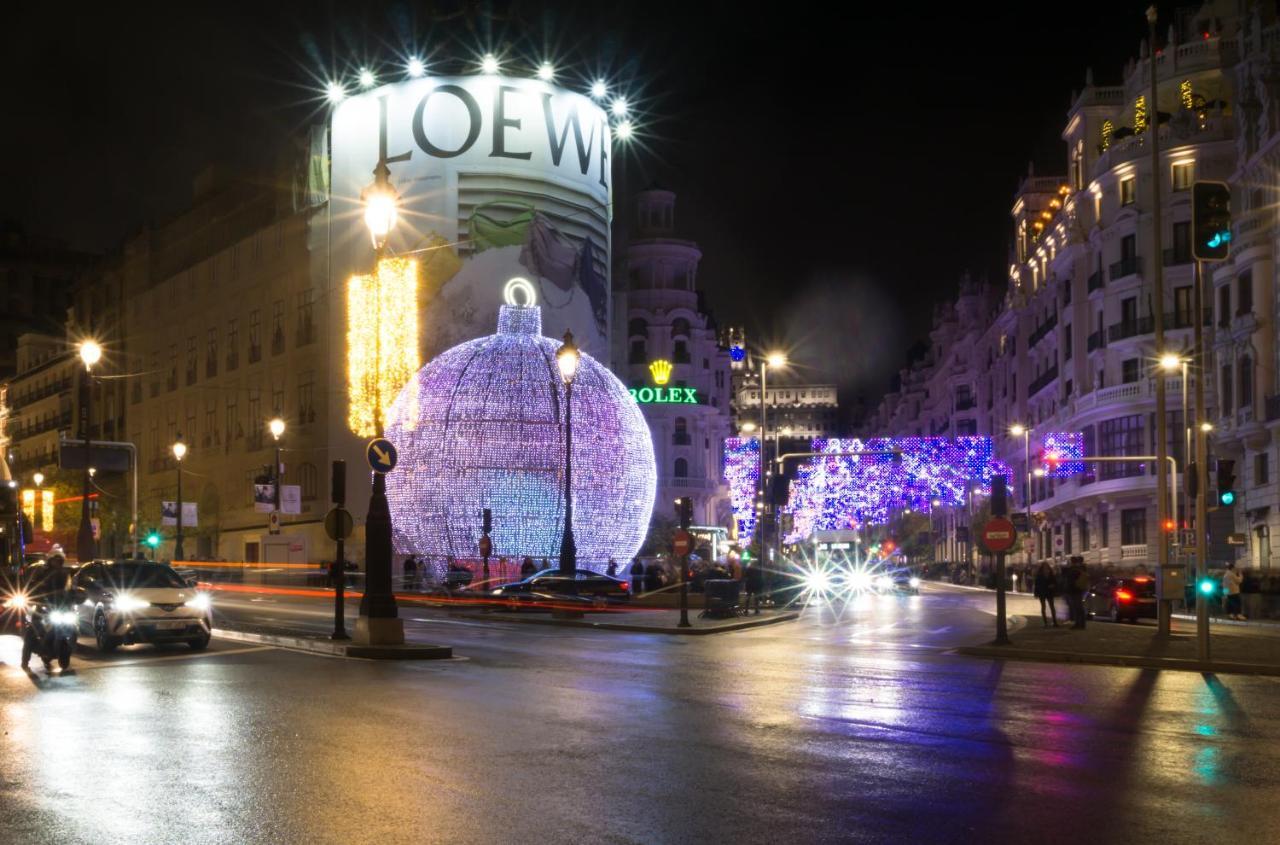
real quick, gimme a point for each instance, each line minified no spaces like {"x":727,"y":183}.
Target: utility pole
{"x":1201,"y":469}
{"x":1165,"y":612}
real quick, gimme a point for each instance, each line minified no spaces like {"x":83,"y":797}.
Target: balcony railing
{"x":1043,"y":380}
{"x":1096,"y":281}
{"x":1131,"y":328}
{"x":1097,"y":340}
{"x":1185,"y":319}
{"x":36,"y":395}
{"x":1126,"y":267}
{"x":1042,"y":331}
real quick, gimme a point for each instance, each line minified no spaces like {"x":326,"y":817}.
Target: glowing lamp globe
{"x":482,"y":426}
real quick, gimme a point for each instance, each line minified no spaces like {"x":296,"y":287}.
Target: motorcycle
{"x":48,"y":631}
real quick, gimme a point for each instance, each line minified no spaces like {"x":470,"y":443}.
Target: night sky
{"x":840,"y":173}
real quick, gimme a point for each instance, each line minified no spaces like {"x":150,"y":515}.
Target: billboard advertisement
{"x":497,"y":177}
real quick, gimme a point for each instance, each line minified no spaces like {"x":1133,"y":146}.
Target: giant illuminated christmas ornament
{"x":742,"y":475}
{"x":488,"y":432}
{"x":842,"y":491}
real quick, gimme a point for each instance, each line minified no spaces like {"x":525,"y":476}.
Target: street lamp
{"x":1171,"y":363}
{"x":38,"y":478}
{"x":1024,"y":431}
{"x":276,"y":427}
{"x":567,"y":359}
{"x":777,"y":361}
{"x":179,"y":452}
{"x":90,"y":352}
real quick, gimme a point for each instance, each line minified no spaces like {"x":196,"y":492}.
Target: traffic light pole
{"x":1202,"y":466}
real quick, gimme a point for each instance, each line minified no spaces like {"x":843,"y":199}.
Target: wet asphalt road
{"x":859,"y":728}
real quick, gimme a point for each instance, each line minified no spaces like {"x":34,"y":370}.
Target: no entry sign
{"x":998,"y":535}
{"x":683,"y":543}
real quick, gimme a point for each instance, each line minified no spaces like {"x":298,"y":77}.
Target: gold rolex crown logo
{"x":661,"y":371}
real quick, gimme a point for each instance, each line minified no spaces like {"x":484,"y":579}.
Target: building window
{"x":172,"y":383}
{"x":1224,"y":307}
{"x":1261,"y":471}
{"x":211,"y":354}
{"x":682,"y":468}
{"x":1133,"y":527}
{"x":638,"y":327}
{"x":1244,"y":293}
{"x":1104,"y":529}
{"x":1183,"y":175}
{"x":1116,"y":438}
{"x":308,"y":480}
{"x":233,"y":344}
{"x":1182,"y":307}
{"x":1066,"y":344}
{"x":306,"y":398}
{"x":1127,"y":190}
{"x":193,"y":361}
{"x":1181,"y":253}
{"x":680,"y":328}
{"x":233,"y":418}
{"x":211,"y":425}
{"x":277,"y":401}
{"x":680,"y":355}
{"x":256,"y":423}
{"x":1082,"y":525}
{"x":680,"y":437}
{"x":1246,"y":382}
{"x":255,"y":336}
{"x":277,"y":327}
{"x":637,"y":354}
{"x":1129,"y":371}
{"x":306,"y":318}
{"x":1225,"y":392}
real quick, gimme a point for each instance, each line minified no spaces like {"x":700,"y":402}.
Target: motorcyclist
{"x":49,"y":589}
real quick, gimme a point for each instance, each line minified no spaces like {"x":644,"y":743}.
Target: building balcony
{"x":1175,"y":257}
{"x":966,"y":404}
{"x":1042,"y":381}
{"x":1131,"y":328}
{"x":1130,"y":266}
{"x":1135,"y":552}
{"x":1096,"y":281}
{"x":690,"y":483}
{"x":1042,"y":331}
{"x":1097,"y":340}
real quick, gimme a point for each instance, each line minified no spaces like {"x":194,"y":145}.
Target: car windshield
{"x":143,"y":575}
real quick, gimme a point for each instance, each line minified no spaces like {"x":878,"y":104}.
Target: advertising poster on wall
{"x":497,"y":177}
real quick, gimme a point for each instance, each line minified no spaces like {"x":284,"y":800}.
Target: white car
{"x":137,"y":601}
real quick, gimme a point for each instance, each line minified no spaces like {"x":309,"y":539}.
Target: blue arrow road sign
{"x":382,"y":455}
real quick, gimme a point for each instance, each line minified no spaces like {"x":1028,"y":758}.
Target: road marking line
{"x":82,"y":667}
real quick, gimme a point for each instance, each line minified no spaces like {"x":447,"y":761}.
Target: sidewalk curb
{"x":1232,"y":623}
{"x":1174,"y":663}
{"x":338,"y":649}
{"x":642,"y":629}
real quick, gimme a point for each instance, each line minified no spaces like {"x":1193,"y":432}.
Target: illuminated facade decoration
{"x":661,"y":371}
{"x":29,"y":506}
{"x":1060,"y":453}
{"x":481,"y":426}
{"x":665,"y":395}
{"x":1140,"y":115}
{"x":1107,"y":129}
{"x":382,"y":342}
{"x":46,"y":511}
{"x":845,"y":491}
{"x":742,"y":474}
{"x":1186,"y":95}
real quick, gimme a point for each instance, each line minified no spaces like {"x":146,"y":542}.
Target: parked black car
{"x":549,"y":582}
{"x":1118,"y":598}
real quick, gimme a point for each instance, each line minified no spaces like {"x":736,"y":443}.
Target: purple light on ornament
{"x":742,"y":475}
{"x":1061,"y":452}
{"x":482,"y":426}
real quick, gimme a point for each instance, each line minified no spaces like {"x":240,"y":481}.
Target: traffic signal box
{"x":1226,"y":482}
{"x":1210,"y":221}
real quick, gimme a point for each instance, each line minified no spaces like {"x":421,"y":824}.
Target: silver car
{"x":137,"y":601}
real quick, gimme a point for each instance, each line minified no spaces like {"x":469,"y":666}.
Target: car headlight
{"x":127,"y":603}
{"x":914,"y":582}
{"x":884,"y":582}
{"x":200,"y":601}
{"x":62,"y":617}
{"x":17,"y":601}
{"x":497,"y":592}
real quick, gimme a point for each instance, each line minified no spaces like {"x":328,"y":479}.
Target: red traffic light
{"x":1170,"y":526}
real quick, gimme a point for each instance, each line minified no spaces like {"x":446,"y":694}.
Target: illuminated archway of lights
{"x":840,"y":491}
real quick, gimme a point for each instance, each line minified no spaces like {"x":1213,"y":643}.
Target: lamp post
{"x":90,"y":354}
{"x":276,"y":427}
{"x":1023,"y":431}
{"x":777,"y":361}
{"x":179,"y":452}
{"x":379,"y":621}
{"x":1170,"y":363}
{"x":567,"y":359}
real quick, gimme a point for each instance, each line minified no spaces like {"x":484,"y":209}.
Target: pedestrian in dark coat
{"x":637,"y":577}
{"x":527,"y":568}
{"x":753,"y":584}
{"x":1046,"y":587}
{"x":1077,"y":581}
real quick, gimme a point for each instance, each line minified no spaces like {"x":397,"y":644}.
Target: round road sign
{"x":338,"y":523}
{"x":683,"y":543}
{"x":998,"y":535}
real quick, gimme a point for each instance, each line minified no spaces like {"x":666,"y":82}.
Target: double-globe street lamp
{"x":777,"y":361}
{"x":567,"y":359}
{"x":1024,"y":431}
{"x":179,"y":452}
{"x":90,"y":353}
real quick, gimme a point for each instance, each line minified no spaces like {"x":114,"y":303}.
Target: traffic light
{"x":1226,"y":482}
{"x":1207,"y":586}
{"x":1210,"y":221}
{"x":1170,"y":526}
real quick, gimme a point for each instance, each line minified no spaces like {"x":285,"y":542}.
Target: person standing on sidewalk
{"x":1231,"y":582}
{"x":1077,"y":582}
{"x":753,"y":583}
{"x":1046,"y":585}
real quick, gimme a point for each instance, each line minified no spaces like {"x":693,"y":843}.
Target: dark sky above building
{"x":840,"y":170}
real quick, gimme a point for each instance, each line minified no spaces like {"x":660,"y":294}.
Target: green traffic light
{"x":1207,"y":586}
{"x":1228,"y":497}
{"x":153,"y":540}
